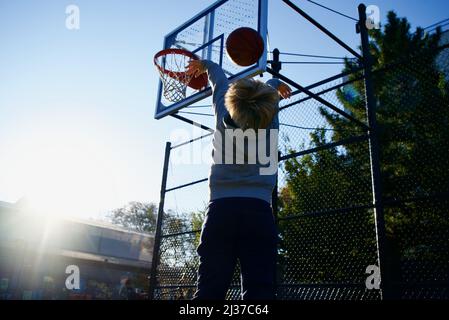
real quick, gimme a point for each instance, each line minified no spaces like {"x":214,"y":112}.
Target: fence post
{"x":376,"y":177}
{"x":157,"y":236}
{"x":276,"y":65}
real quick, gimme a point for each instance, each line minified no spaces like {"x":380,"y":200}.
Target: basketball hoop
{"x":171,"y":64}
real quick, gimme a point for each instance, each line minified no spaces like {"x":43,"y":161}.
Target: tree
{"x":137,"y":216}
{"x":197,"y":220}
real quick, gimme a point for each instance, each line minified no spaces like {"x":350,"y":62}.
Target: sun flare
{"x":63,"y":178}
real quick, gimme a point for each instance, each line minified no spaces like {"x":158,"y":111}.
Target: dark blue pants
{"x":243,"y":229}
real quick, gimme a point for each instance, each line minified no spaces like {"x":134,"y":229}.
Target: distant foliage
{"x":137,"y":216}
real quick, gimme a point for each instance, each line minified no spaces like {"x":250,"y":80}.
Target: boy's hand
{"x":195,"y":68}
{"x":284,"y":91}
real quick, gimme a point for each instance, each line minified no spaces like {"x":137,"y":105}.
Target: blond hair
{"x":251,"y":103}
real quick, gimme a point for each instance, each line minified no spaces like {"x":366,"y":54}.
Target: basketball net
{"x":172,"y":71}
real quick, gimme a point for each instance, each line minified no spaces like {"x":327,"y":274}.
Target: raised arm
{"x":284,"y":91}
{"x":217,"y":79}
{"x":282,"y":88}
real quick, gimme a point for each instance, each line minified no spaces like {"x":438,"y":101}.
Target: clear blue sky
{"x":76,"y":107}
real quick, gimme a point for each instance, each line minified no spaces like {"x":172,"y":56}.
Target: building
{"x":38,"y":255}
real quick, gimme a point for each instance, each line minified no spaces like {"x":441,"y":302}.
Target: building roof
{"x":19,"y":206}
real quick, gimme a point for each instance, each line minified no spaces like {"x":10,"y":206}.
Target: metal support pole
{"x":276,"y":65}
{"x":160,"y":214}
{"x":374,"y":156}
{"x":199,"y":125}
{"x":274,"y":205}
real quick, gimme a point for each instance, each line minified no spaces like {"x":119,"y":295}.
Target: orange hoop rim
{"x":195,"y":83}
{"x":173,"y":51}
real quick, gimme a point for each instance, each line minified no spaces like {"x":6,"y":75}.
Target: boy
{"x":239,"y":222}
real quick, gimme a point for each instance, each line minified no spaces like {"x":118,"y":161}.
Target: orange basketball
{"x":244,"y":46}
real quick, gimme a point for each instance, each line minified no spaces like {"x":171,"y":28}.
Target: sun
{"x":62,"y":177}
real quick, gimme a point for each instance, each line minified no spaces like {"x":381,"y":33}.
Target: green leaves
{"x":136,"y":216}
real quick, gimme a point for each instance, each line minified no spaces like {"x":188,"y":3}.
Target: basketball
{"x":198,"y":83}
{"x":244,"y":46}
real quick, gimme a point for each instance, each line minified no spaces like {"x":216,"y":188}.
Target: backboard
{"x":205,"y":35}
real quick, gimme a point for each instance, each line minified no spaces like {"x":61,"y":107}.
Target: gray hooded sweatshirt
{"x":236,"y":179}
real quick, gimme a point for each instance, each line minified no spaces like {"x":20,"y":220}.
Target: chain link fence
{"x":413,"y":128}
{"x":326,"y":224}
